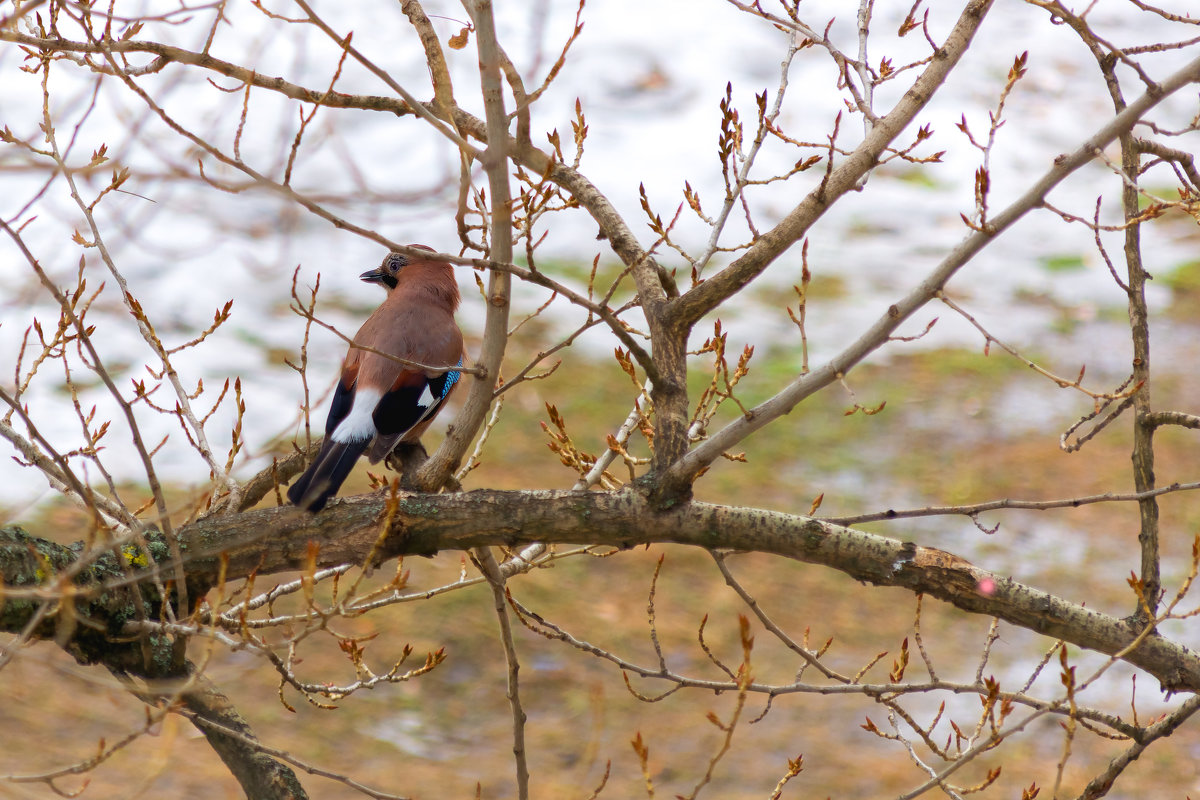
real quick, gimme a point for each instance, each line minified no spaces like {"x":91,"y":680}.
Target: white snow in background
{"x":650,"y":76}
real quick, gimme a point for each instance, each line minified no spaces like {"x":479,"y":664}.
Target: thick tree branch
{"x":90,"y":629}
{"x":1159,"y":418}
{"x":278,"y":539}
{"x":260,"y":775}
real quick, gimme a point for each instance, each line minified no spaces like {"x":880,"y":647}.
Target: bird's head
{"x":387,"y":273}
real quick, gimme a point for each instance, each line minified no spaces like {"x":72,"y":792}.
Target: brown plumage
{"x":380,"y":402}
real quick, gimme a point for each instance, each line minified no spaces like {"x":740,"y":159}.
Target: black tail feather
{"x":300,"y":485}
{"x":325,"y":474}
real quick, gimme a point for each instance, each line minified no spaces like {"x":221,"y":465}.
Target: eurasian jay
{"x":380,"y":402}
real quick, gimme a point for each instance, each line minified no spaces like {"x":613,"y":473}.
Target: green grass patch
{"x":918,"y":176}
{"x":577,"y":273}
{"x":953,"y":362}
{"x":1065,"y":262}
{"x":1183,"y":278}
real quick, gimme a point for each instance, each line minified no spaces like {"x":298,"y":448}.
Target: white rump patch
{"x":358,"y":425}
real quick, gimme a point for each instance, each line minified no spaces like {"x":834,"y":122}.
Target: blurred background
{"x":960,"y":425}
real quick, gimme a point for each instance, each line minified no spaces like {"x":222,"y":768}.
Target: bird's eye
{"x":394,"y":262}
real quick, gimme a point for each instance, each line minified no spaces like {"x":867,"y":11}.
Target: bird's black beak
{"x":380,"y":276}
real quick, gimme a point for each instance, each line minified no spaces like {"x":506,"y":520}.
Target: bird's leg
{"x":406,"y":459}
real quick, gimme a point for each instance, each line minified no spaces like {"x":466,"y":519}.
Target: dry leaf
{"x":459,"y":40}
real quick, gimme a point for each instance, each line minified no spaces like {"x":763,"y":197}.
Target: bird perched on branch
{"x":397,"y":374}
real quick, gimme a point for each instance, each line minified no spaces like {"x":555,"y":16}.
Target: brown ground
{"x":443,"y":734}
